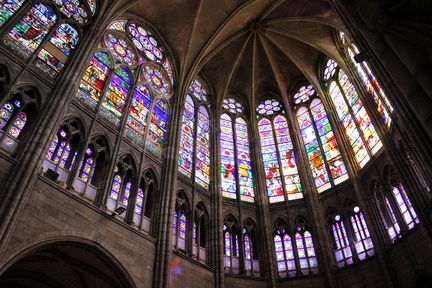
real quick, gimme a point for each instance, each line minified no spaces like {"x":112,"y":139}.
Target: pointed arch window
{"x":194,"y":152}
{"x":362,"y":239}
{"x":341,"y":242}
{"x":231,"y":246}
{"x":405,"y":207}
{"x":278,"y":154}
{"x":180,"y":224}
{"x":26,"y":36}
{"x":236,"y":170}
{"x":250,"y":248}
{"x":9,"y":8}
{"x":325,"y":159}
{"x":121,"y":185}
{"x":285,"y":258}
{"x":369,"y":80}
{"x":305,"y":251}
{"x":141,"y":84}
{"x":63,"y":150}
{"x":359,"y":129}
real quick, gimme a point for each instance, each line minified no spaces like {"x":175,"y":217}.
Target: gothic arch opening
{"x":65,"y":264}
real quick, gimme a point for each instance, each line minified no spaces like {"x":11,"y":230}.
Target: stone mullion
{"x":350,"y":235}
{"x":311,"y":199}
{"x":267,"y":248}
{"x":33,"y":153}
{"x":168,"y":196}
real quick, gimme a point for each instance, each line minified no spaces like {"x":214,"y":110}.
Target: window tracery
{"x":194,"y":152}
{"x":278,"y":154}
{"x":363,"y":137}
{"x":326,"y":162}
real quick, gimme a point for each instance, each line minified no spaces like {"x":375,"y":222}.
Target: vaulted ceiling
{"x":247,"y":49}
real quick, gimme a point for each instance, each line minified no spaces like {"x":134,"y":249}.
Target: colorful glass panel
{"x":304,"y":94}
{"x":73,"y":9}
{"x":94,"y":79}
{"x":88,"y":164}
{"x":157,"y":80}
{"x":115,"y":96}
{"x":405,"y":207}
{"x":228,"y":244}
{"x":198,"y":90}
{"x":121,"y":49}
{"x":5,"y":114}
{"x":271,"y":162}
{"x":116,"y":186}
{"x":126,"y":194}
{"x":187,"y":138}
{"x":228,"y":165}
{"x":119,"y":25}
{"x":330,"y":147}
{"x":269,"y":107}
{"x":330,"y":69}
{"x":202,"y":160}
{"x":288,"y":159}
{"x":61,"y":44}
{"x":313,"y":150}
{"x":139,"y":201}
{"x":18,"y":125}
{"x":145,"y":42}
{"x":8,"y":8}
{"x":65,"y":156}
{"x":233,"y":106}
{"x":26,"y":36}
{"x":92,"y":6}
{"x":139,"y":111}
{"x":244,"y":164}
{"x":360,"y":115}
{"x":247,"y":247}
{"x":156,"y":140}
{"x":351,"y":130}
{"x":182,"y":230}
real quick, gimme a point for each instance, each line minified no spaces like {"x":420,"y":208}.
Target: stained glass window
{"x":277,"y":153}
{"x":233,"y":106}
{"x":194,"y":152}
{"x":57,"y":50}
{"x":126,"y":194}
{"x":139,"y":201}
{"x":284,"y":254}
{"x":319,"y":140}
{"x":119,"y":25}
{"x":26,"y":36}
{"x":343,"y":251}
{"x":120,"y":48}
{"x":8,"y":8}
{"x":244,"y":164}
{"x":116,"y":186}
{"x":73,"y":9}
{"x":354,"y":118}
{"x":92,"y":6}
{"x":145,"y":42}
{"x":157,"y":79}
{"x":187,"y":138}
{"x":94,"y":79}
{"x":362,"y":239}
{"x":87,"y":167}
{"x":7,"y":113}
{"x":18,"y":125}
{"x":202,"y":150}
{"x":182,"y":228}
{"x":228,"y":166}
{"x":405,"y":207}
{"x":393,"y":227}
{"x":305,"y":250}
{"x":369,"y":80}
{"x":138,"y":113}
{"x":156,"y":140}
{"x":115,"y":96}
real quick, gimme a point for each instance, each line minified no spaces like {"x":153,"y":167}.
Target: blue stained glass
{"x":156,"y":140}
{"x":187,"y":138}
{"x":8,"y":8}
{"x":228,"y":165}
{"x":139,"y":110}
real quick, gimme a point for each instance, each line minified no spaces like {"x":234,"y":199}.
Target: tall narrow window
{"x":250,"y":249}
{"x":8,"y":8}
{"x":392,"y":224}
{"x":156,"y":139}
{"x":56,"y":51}
{"x":359,"y":129}
{"x":362,"y":239}
{"x":306,"y":251}
{"x":194,"y":152}
{"x":200,"y":233}
{"x":121,"y":185}
{"x":180,"y":224}
{"x":236,"y":170}
{"x":278,"y":153}
{"x":26,"y":36}
{"x":405,"y":207}
{"x":327,"y":165}
{"x":369,"y":80}
{"x":231,"y":247}
{"x":341,"y":242}
{"x":284,"y":253}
